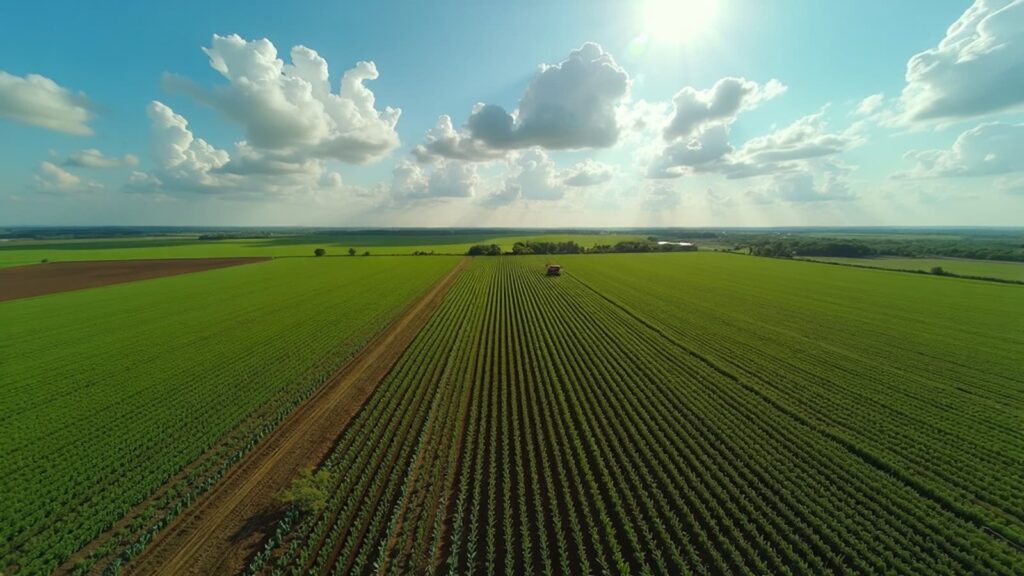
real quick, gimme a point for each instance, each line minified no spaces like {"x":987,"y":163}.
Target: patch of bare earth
{"x":229,"y":523}
{"x":52,"y":277}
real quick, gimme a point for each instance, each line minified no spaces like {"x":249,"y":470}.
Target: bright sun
{"x":679,"y":21}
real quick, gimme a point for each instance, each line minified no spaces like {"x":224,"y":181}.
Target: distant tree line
{"x":531,"y":247}
{"x":642,"y":246}
{"x":234,"y":235}
{"x":789,"y":247}
{"x":975,"y":248}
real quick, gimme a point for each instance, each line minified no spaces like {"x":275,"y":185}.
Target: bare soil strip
{"x":52,"y":277}
{"x":228,"y":524}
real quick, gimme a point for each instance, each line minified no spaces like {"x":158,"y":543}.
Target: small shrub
{"x":308,"y":492}
{"x":319,"y":252}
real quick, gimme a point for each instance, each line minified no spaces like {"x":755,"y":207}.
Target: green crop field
{"x":685,"y":414}
{"x":107,"y":393}
{"x":958,"y":266}
{"x":642,"y":413}
{"x":21,"y":252}
{"x":585,"y":288}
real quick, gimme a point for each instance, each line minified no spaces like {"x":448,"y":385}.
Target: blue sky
{"x":692,"y":113}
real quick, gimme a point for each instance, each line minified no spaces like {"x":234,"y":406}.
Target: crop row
{"x":109,"y":393}
{"x":920,"y":376}
{"x":537,"y":427}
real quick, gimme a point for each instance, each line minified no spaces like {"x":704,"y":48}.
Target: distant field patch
{"x":39,"y":279}
{"x":958,"y":266}
{"x":22,"y":252}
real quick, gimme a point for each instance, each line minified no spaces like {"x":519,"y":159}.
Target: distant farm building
{"x":554,"y":270}
{"x":684,"y":246}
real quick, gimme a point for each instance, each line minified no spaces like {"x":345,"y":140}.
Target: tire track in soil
{"x":230,"y":522}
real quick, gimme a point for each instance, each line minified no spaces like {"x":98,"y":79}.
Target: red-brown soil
{"x":229,"y":523}
{"x":38,"y":279}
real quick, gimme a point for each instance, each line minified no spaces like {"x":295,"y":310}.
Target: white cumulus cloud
{"x":721,"y":103}
{"x":977,"y":69}
{"x":532,"y":175}
{"x":588,"y":173}
{"x":446,"y":179}
{"x":806,"y":138}
{"x":39,"y":101}
{"x":178,"y":152}
{"x":187,"y":163}
{"x":697,"y":131}
{"x":988,"y":149}
{"x":803,"y":186}
{"x":570,"y":105}
{"x":54,"y":179}
{"x":705,"y":148}
{"x":93,"y":158}
{"x":292,"y":109}
{"x":444,"y":141}
{"x":784,"y":150}
{"x":870,"y":105}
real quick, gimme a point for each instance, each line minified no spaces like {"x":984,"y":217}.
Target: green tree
{"x":485,"y":250}
{"x":319,"y":252}
{"x":351,"y":251}
{"x":308,"y":492}
{"x":521,"y":248}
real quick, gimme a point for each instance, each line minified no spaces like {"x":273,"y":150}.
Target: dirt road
{"x":229,"y":523}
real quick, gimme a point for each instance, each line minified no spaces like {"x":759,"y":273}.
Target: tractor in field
{"x":554,"y":270}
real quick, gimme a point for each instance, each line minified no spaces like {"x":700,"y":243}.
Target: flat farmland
{"x":922,"y":376}
{"x":960,"y":266}
{"x":111,"y":392}
{"x":684,"y":414}
{"x":22,"y":252}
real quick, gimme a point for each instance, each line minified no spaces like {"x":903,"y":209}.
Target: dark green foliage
{"x":787,"y":248}
{"x":641,"y":246}
{"x":319,"y":252}
{"x":530,"y":247}
{"x":485,"y":250}
{"x":978,"y":247}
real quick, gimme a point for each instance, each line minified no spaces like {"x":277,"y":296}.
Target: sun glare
{"x":679,"y":21}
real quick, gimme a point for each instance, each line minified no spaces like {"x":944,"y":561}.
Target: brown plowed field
{"x":38,"y":279}
{"x":228,"y":524}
